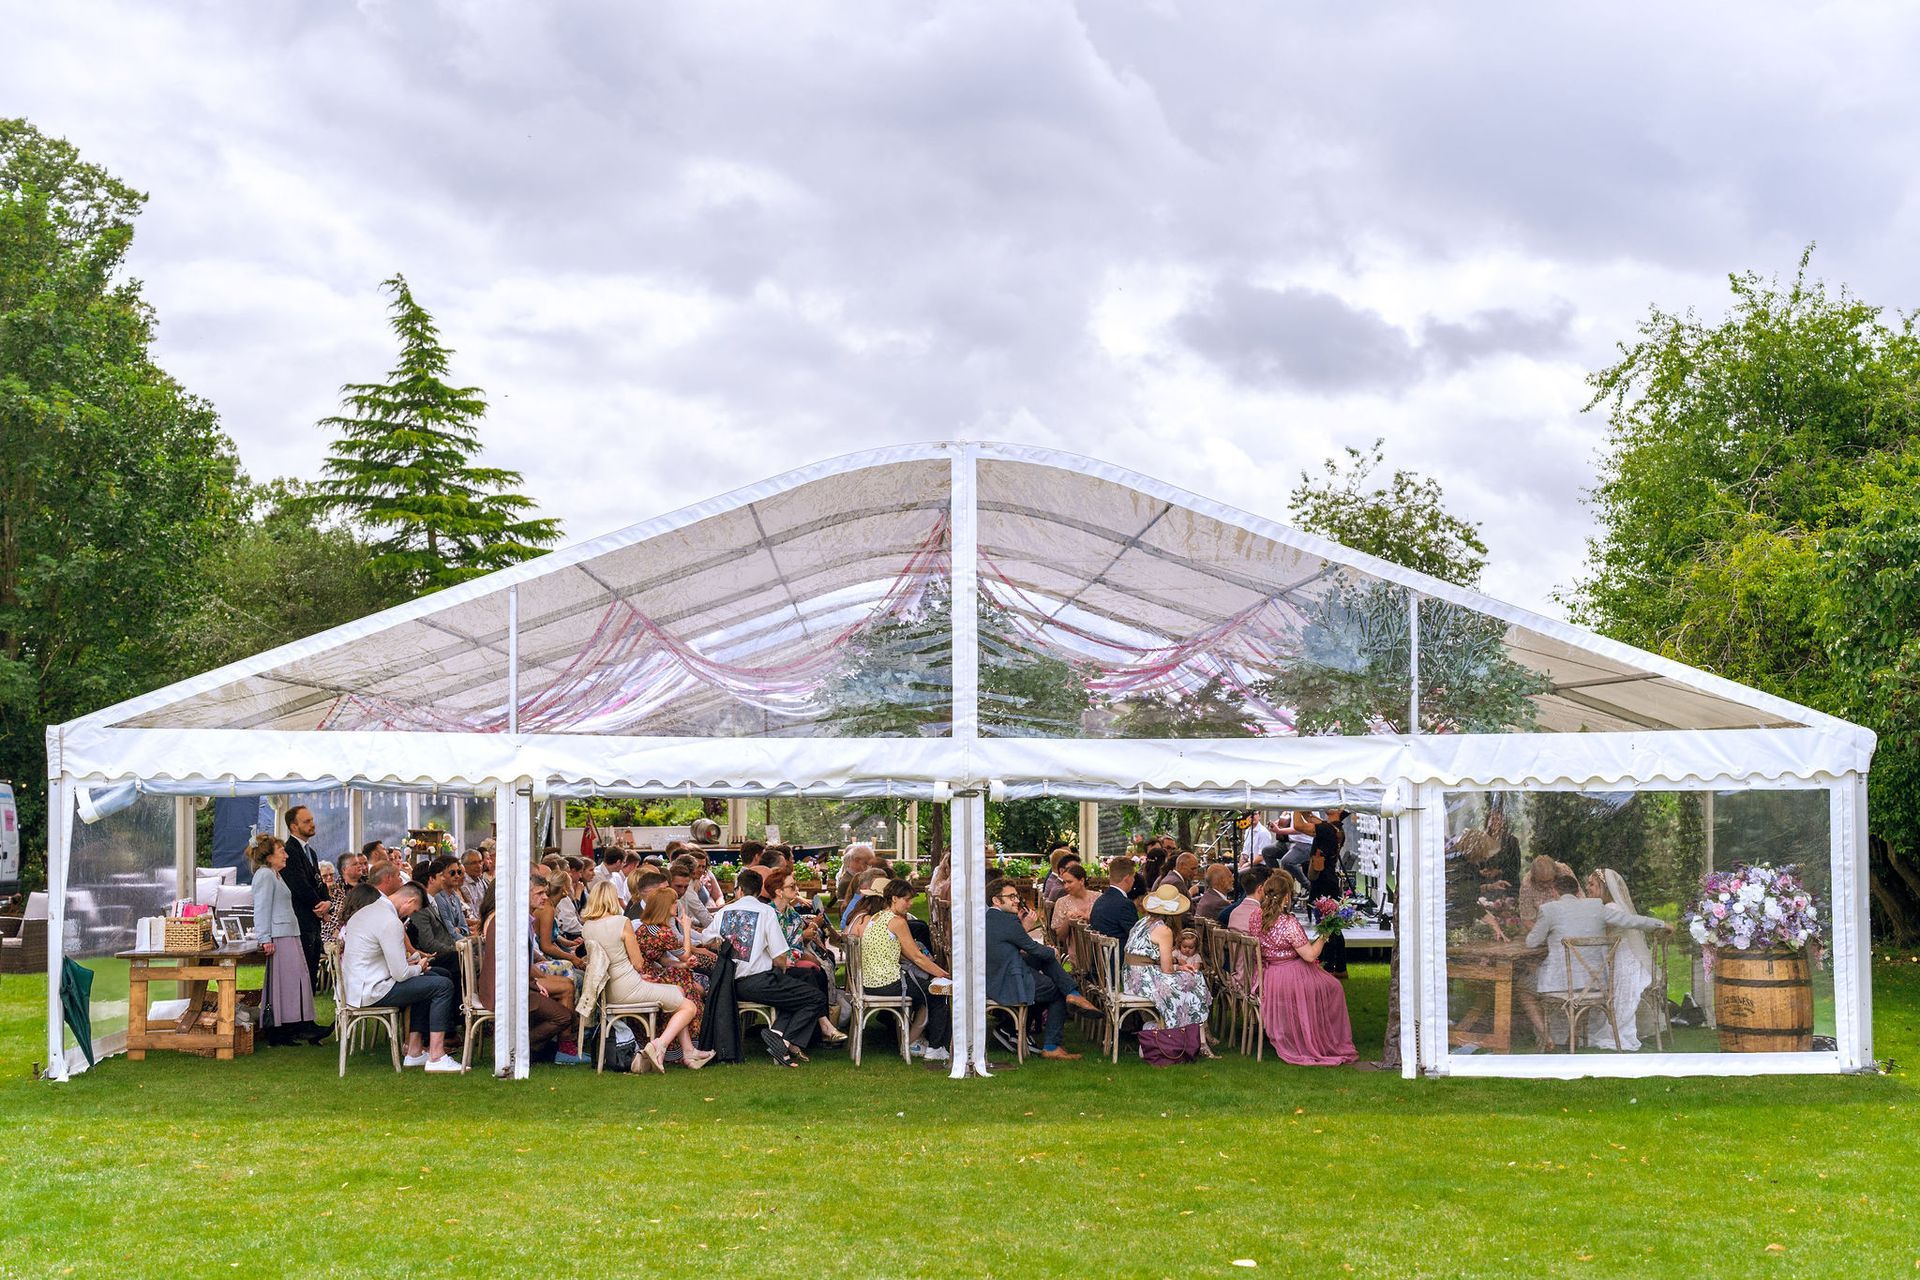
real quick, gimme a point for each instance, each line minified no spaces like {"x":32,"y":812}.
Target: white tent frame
{"x":1413,"y":770}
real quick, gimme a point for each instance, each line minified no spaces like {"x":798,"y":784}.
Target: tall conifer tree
{"x":403,"y":468}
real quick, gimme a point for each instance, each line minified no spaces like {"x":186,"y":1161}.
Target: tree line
{"x":1758,"y":504}
{"x":134,"y":549}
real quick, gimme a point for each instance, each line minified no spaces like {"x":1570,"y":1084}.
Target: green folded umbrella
{"x":76,"y":1003}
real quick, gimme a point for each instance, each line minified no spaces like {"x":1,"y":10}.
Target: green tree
{"x":403,"y":468}
{"x":277,"y":575}
{"x":113,"y":479}
{"x":1404,"y":520}
{"x":1756,"y":506}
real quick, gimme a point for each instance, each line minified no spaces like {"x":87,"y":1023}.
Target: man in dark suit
{"x":302,"y":875}
{"x":1113,"y":911}
{"x":1022,"y":972}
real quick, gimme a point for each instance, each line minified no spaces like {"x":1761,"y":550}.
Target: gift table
{"x":209,"y":977}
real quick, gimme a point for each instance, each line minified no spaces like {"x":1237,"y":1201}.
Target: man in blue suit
{"x":1022,"y":972}
{"x":1113,"y":911}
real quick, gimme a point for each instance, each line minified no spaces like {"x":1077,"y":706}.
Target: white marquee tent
{"x":965,"y":621}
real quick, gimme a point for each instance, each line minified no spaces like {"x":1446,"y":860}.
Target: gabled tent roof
{"x":740,"y":618}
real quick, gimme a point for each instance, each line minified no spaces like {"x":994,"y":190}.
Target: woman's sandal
{"x":697,"y":1059}
{"x":655,"y":1053}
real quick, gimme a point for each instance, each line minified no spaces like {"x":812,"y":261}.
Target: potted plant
{"x":1760,"y":931}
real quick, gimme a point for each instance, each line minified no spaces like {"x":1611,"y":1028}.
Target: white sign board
{"x":9,"y":837}
{"x":1366,"y":845}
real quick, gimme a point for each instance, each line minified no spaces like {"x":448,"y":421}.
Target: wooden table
{"x":1492,"y":963}
{"x":195,"y":971}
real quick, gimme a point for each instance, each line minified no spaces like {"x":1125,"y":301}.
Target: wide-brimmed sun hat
{"x":1166,"y":901}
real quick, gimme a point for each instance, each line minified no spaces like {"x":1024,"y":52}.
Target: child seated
{"x":1186,"y":952}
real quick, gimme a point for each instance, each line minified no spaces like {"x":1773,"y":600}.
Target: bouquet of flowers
{"x":1335,"y":915}
{"x":1755,"y":906}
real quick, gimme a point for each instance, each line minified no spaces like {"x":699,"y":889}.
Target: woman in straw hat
{"x":1180,"y":998}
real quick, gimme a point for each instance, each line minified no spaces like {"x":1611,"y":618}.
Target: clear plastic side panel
{"x":121,"y":871}
{"x":384,"y":818}
{"x":331,"y":813}
{"x":1110,"y":613}
{"x":478,"y":815}
{"x":1470,"y":680}
{"x":1639,"y":922}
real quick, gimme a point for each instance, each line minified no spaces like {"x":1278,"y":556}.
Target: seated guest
{"x":846,"y":885}
{"x":374,"y":972}
{"x":751,"y":853}
{"x":893,"y":964}
{"x":631,"y":978}
{"x":1052,"y":887}
{"x":761,"y":955}
{"x":1076,"y":899}
{"x":1244,"y":915}
{"x":429,"y":933}
{"x":1022,"y":972}
{"x":475,"y":879}
{"x":353,"y":869}
{"x":1181,"y":873}
{"x":1113,"y":912}
{"x":811,"y":960}
{"x":1565,"y":914}
{"x":1181,"y":999}
{"x":1219,"y":892}
{"x":874,"y":878}
{"x":681,"y":876}
{"x":559,"y":957}
{"x":444,"y":875}
{"x":550,"y":1019}
{"x":642,"y":883}
{"x":1304,"y":1007}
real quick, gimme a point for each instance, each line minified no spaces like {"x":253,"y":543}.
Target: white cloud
{"x":683,"y":247}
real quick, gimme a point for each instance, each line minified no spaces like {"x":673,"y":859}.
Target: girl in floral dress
{"x":664,"y":948}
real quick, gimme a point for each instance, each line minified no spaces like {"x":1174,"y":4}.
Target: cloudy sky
{"x":687,"y":246}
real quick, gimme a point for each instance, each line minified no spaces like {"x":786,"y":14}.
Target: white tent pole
{"x":1088,"y":829}
{"x":59,"y":852}
{"x":184,"y":854}
{"x":736,"y":821}
{"x":1852,"y":943}
{"x":969,"y":916}
{"x":356,"y":820}
{"x":1407,"y":934}
{"x":910,"y":833}
{"x":1430,"y":853}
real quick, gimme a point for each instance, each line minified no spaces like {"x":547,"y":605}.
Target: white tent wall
{"x":1173,"y":550}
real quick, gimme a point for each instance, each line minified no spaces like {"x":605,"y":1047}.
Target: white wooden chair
{"x":866,"y":1006}
{"x":1589,"y":985}
{"x":645,"y":1012}
{"x":348,"y":1020}
{"x":473,"y":1014}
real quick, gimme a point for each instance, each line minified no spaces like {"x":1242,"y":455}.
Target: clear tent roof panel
{"x":821,"y":605}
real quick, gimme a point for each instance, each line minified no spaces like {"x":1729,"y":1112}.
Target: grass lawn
{"x":183,"y":1166}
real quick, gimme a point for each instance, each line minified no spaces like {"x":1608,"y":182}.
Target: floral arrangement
{"x":1335,"y":915}
{"x":1755,"y":906}
{"x":1501,"y":915}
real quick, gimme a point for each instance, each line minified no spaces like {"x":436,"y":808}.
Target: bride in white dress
{"x":1632,"y":964}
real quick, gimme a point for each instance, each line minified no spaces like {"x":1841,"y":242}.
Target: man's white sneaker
{"x":936,"y":1055}
{"x":414,"y":1060}
{"x":445,"y":1062}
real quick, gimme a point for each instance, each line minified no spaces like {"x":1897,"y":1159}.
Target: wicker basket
{"x":189,"y":934}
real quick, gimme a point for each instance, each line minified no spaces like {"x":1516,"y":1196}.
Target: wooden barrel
{"x":1763,"y":1001}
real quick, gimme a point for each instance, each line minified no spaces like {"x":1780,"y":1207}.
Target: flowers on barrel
{"x":1335,"y":915}
{"x":1752,"y":907}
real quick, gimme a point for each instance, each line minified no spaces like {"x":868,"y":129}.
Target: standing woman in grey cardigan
{"x":289,"y":988}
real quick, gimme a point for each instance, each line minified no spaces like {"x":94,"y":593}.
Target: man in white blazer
{"x":374,"y":970}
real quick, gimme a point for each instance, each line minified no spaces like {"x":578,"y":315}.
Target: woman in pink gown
{"x":1305,"y":1006}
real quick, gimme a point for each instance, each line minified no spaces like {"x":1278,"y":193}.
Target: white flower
{"x":1773,"y":909}
{"x":1699,"y":930}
